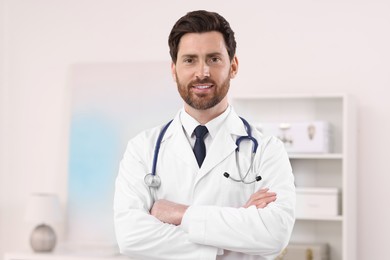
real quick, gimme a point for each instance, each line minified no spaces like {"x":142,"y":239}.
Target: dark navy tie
{"x":200,"y":148}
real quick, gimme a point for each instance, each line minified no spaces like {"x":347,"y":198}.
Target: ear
{"x":234,"y":67}
{"x":173,"y":71}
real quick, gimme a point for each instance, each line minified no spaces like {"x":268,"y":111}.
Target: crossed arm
{"x":172,"y":213}
{"x":264,"y":227}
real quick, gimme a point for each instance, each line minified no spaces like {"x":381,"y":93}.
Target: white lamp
{"x":43,"y":209}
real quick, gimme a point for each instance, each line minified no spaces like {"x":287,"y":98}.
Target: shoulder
{"x":267,"y":143}
{"x":151,"y":135}
{"x":146,"y":135}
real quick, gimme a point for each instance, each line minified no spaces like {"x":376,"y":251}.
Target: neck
{"x":205,"y":116}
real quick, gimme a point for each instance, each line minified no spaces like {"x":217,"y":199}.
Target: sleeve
{"x":138,"y":233}
{"x":250,"y":230}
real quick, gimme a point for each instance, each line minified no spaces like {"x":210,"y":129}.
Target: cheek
{"x":183,"y":75}
{"x":223,"y":75}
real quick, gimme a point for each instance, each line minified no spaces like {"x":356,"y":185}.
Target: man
{"x":210,"y":207}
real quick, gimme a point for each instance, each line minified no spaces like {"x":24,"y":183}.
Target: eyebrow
{"x":189,"y":56}
{"x":207,"y":55}
{"x":214,"y":54}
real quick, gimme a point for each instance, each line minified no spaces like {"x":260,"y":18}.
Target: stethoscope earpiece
{"x":227,"y":175}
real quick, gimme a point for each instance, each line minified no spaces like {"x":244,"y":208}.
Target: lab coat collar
{"x":222,"y":146}
{"x":189,"y":123}
{"x":180,"y":145}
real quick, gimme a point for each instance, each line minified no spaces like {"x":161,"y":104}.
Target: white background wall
{"x":284,"y":46}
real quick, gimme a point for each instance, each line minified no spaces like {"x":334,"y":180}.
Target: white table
{"x":62,"y":256}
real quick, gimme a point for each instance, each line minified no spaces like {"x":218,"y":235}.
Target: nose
{"x":203,"y":70}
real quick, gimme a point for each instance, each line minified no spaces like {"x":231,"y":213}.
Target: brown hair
{"x":198,"y":22}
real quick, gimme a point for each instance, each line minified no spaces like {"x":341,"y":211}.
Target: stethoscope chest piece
{"x":153,"y":181}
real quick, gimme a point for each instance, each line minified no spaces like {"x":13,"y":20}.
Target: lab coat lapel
{"x":179,"y":145}
{"x":224,"y":143}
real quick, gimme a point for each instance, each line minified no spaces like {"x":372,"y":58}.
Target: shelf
{"x":330,"y":156}
{"x":291,"y":96}
{"x":336,"y":169}
{"x":320,"y":218}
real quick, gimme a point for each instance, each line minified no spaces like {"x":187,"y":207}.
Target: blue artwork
{"x":110,"y":104}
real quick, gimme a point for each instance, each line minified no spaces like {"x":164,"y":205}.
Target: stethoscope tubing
{"x":157,"y":147}
{"x":154,"y":181}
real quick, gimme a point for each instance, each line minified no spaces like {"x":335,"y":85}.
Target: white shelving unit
{"x":335,"y":169}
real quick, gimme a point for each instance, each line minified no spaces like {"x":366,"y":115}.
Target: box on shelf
{"x":300,"y":137}
{"x":305,"y":252}
{"x":317,"y":202}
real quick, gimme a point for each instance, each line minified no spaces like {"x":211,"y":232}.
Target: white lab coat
{"x":215,"y":226}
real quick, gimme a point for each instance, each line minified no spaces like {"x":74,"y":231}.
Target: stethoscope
{"x":152,"y":180}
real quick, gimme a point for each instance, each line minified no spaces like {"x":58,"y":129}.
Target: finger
{"x":263,"y":190}
{"x":260,"y":202}
{"x":265,"y":197}
{"x":264,"y":202}
{"x":258,"y":193}
{"x":261,"y":205}
{"x":255,"y":198}
{"x":258,"y":196}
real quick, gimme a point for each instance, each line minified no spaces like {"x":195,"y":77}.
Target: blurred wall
{"x":284,"y":46}
{"x":3,"y":101}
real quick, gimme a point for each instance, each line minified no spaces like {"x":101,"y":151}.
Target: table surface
{"x":63,"y":256}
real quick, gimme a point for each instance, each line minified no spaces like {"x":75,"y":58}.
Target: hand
{"x":261,"y":198}
{"x":168,"y":212}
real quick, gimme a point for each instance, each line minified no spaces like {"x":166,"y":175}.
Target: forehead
{"x":202,"y":43}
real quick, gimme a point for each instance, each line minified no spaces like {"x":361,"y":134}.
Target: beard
{"x":203,"y":101}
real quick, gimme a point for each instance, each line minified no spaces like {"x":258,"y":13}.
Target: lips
{"x":207,"y":86}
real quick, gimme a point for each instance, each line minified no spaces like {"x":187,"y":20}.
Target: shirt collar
{"x":189,"y":123}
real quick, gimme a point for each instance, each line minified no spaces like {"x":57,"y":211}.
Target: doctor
{"x":198,"y":212}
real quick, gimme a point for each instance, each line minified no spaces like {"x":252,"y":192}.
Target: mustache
{"x":202,"y":81}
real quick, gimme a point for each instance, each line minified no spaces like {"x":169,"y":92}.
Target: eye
{"x":215,"y":59}
{"x":188,"y":60}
